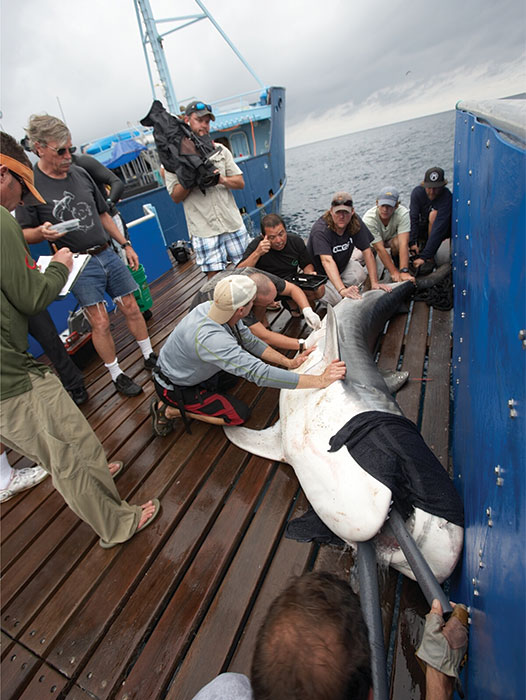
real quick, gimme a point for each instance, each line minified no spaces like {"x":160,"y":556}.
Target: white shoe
{"x":22,"y":480}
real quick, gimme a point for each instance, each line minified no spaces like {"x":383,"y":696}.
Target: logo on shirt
{"x":340,"y":248}
{"x":67,"y":208}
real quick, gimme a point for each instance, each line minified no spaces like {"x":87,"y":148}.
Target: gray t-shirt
{"x":74,"y":197}
{"x":226,"y":686}
{"x":198,"y":348}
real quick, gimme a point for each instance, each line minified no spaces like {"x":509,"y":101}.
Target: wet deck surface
{"x":162,"y":615}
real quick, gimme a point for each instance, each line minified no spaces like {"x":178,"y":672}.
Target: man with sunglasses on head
{"x":218,"y":233}
{"x":331,"y":243}
{"x":70,"y":193}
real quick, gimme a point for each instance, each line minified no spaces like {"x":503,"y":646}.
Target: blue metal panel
{"x":489,"y":372}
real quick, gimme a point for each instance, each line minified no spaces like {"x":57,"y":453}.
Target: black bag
{"x":181,"y":151}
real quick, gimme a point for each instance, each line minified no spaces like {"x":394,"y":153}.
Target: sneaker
{"x":79,"y":395}
{"x":127,"y":386}
{"x":151,"y":361}
{"x":22,"y":480}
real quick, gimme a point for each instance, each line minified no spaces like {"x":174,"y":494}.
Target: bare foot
{"x":148,"y":509}
{"x":113,"y":467}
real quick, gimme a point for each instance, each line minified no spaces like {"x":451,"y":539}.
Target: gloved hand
{"x":312,"y":319}
{"x":443,"y":646}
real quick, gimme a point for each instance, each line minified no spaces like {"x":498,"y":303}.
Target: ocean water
{"x":362,"y":163}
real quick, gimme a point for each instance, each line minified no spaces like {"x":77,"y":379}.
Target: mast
{"x":150,"y":35}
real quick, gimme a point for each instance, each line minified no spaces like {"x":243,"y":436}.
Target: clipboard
{"x":80,"y":260}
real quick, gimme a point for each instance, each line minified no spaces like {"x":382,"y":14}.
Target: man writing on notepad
{"x":70,"y":193}
{"x":37,"y":417}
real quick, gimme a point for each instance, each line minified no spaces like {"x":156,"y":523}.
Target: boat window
{"x":239,"y":143}
{"x":223,"y":141}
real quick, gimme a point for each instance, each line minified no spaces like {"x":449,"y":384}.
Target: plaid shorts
{"x":214,"y":253}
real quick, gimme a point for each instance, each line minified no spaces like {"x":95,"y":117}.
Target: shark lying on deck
{"x":348,"y":499}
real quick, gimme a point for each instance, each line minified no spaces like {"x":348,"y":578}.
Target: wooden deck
{"x":162,"y":615}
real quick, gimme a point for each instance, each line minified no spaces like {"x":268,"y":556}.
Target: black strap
{"x":178,"y":395}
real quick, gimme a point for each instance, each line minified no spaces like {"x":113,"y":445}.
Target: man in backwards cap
{"x":331,"y":243}
{"x":38,"y":418}
{"x":430,"y":209}
{"x":209,"y":346}
{"x":388,"y":222}
{"x":218,"y":233}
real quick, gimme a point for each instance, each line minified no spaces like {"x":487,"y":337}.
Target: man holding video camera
{"x":218,"y":233}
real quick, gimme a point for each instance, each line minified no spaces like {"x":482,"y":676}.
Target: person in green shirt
{"x":38,"y":418}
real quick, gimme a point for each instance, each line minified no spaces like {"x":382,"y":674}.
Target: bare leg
{"x":134,"y":319}
{"x":101,"y":334}
{"x":172,"y":413}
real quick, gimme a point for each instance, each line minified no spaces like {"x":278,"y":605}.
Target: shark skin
{"x":351,"y":502}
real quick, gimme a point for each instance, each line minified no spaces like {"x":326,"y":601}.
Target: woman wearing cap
{"x":430,"y":212}
{"x":209,"y":345}
{"x":331,"y":243}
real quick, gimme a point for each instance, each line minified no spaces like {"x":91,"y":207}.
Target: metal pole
{"x":423,"y":574}
{"x":370,"y":602}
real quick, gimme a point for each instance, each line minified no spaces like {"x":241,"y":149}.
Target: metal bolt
{"x":459,"y":359}
{"x":513,"y":411}
{"x":469,"y":202}
{"x":467,"y":237}
{"x":464,"y":292}
{"x":481,"y":564}
{"x":522,"y":334}
{"x":472,"y":128}
{"x":463,"y":314}
{"x":465,"y":263}
{"x":461,"y":340}
{"x":475,"y":592}
{"x":488,"y":143}
{"x":470,"y":172}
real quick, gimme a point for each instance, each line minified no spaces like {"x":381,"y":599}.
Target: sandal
{"x":157,"y":510}
{"x":162,"y":425}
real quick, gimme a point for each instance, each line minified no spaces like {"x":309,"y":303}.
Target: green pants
{"x":45,"y":425}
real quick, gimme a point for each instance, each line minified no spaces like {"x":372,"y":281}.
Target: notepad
{"x":80,"y":260}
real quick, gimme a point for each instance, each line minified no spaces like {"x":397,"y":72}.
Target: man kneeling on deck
{"x":209,"y":346}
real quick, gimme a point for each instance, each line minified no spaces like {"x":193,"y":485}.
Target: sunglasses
{"x":63,"y":151}
{"x":25,"y":189}
{"x":347,"y":203}
{"x":199,"y":106}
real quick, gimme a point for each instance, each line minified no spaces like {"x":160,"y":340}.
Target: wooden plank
{"x":46,"y":683}
{"x":435,"y":418}
{"x":62,"y":618}
{"x":162,"y":652}
{"x":225,"y":616}
{"x":16,"y":671}
{"x":414,"y":355}
{"x":291,"y":559}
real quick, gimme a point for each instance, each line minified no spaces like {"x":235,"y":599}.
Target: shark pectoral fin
{"x":332,"y":349}
{"x":263,"y":443}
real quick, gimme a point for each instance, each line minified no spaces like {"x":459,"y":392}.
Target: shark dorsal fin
{"x":332,"y":348}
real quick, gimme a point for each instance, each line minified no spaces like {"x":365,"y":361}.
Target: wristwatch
{"x":126,"y":243}
{"x":301,"y":343}
{"x":404,"y":269}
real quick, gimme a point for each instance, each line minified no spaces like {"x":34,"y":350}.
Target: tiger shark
{"x":352,"y":503}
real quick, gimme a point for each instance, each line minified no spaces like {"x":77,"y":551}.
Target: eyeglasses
{"x":25,"y":189}
{"x":347,"y":203}
{"x":199,"y":106}
{"x":63,"y":151}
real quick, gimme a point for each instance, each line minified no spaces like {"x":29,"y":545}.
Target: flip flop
{"x":118,"y":471}
{"x":162,"y":425}
{"x":157,"y":505}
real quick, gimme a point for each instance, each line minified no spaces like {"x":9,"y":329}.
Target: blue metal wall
{"x":489,"y":382}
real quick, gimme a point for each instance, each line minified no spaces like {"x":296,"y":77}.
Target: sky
{"x":347,"y":65}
